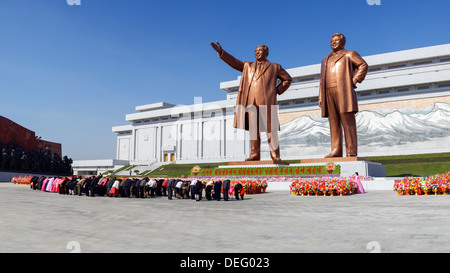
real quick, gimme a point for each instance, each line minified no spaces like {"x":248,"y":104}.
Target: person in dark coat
{"x":226,"y":187}
{"x":217,"y":190}
{"x":208,"y":189}
{"x":87,"y":186}
{"x":198,"y":188}
{"x":93,"y":185}
{"x":136,"y":184}
{"x":73,"y":185}
{"x":33,"y":182}
{"x":128,"y":183}
{"x":159,"y":183}
{"x":238,"y":190}
{"x":170,"y":188}
{"x":40,"y":181}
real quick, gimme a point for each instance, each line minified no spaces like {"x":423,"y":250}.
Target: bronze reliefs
{"x":256,"y":106}
{"x":341,"y":70}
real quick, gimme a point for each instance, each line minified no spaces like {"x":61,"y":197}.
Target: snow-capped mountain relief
{"x":385,"y":126}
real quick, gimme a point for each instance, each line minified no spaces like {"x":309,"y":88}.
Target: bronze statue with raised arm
{"x":341,"y":70}
{"x":256,"y":106}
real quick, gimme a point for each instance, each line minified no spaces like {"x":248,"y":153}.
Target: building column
{"x":223,"y":137}
{"x":178,"y":142}
{"x":133,"y":145}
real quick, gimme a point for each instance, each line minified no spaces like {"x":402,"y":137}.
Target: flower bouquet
{"x":325,"y":186}
{"x":437,"y":184}
{"x":330,"y":167}
{"x":22,"y":180}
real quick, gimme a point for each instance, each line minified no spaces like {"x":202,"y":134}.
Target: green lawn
{"x":414,"y":165}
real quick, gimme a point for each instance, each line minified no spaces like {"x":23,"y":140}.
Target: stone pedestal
{"x":257,"y":162}
{"x":334,"y":159}
{"x":350,"y":165}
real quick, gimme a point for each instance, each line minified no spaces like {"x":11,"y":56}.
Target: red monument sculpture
{"x":11,"y":132}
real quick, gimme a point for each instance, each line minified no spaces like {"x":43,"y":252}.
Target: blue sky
{"x":71,"y":73}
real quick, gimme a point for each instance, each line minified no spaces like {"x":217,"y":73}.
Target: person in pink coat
{"x":49,"y":184}
{"x":360,"y":188}
{"x":44,"y":184}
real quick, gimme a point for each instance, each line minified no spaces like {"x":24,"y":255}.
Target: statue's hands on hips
{"x":355,"y":81}
{"x":217,"y":47}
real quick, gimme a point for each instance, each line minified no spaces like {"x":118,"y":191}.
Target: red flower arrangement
{"x":437,"y":184}
{"x":251,"y":186}
{"x":22,"y":180}
{"x":325,"y":186}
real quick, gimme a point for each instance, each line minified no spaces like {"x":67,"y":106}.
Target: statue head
{"x":261,"y":52}
{"x":337,"y":41}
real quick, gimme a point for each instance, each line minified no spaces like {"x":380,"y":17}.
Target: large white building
{"x":404,"y":109}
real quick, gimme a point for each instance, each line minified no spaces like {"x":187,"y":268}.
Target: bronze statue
{"x":256,"y":106}
{"x":340,"y":71}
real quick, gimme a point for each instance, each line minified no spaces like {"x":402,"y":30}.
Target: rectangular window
{"x":396,"y":66}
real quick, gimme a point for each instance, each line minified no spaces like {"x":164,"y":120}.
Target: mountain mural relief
{"x":385,"y":127}
{"x":397,"y":126}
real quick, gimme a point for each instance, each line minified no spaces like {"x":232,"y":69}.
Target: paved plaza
{"x":380,"y":221}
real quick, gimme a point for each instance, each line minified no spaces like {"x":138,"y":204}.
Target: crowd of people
{"x":14,"y":158}
{"x":137,"y":187}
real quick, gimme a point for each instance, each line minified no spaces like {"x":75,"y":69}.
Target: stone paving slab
{"x":273,"y":222}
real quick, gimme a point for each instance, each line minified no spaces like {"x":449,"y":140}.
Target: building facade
{"x":404,"y":108}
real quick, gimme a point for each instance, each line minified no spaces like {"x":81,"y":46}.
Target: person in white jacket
{"x":192,"y":185}
{"x":178,"y":189}
{"x":151,"y":185}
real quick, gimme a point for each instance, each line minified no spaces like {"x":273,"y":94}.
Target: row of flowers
{"x":325,"y":186}
{"x":22,"y":180}
{"x":437,"y":184}
{"x":250,"y":186}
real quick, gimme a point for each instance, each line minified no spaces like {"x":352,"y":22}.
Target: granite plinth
{"x":334,"y":159}
{"x":349,"y":165}
{"x":258,"y":162}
